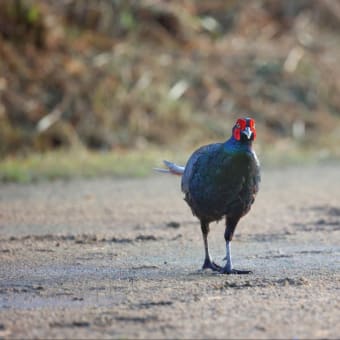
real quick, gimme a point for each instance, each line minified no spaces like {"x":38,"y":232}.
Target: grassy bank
{"x":80,"y":163}
{"x":72,"y":164}
{"x":112,"y":75}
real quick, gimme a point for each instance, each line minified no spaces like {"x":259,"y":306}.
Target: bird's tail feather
{"x":172,"y":168}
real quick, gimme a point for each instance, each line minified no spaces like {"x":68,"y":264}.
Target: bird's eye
{"x":238,"y":125}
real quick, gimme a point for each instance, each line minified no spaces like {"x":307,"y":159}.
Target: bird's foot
{"x":208,"y":264}
{"x":234,"y":271}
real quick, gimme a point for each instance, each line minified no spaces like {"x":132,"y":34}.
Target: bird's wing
{"x":203,"y":151}
{"x":220,"y":181}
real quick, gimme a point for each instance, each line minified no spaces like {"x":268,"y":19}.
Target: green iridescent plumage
{"x":222,"y":180}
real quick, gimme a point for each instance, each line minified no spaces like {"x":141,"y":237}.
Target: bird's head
{"x":244,"y":130}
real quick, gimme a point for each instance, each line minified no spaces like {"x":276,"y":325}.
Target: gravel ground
{"x":115,"y":258}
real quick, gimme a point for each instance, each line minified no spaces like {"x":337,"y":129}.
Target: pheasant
{"x":221,"y":180}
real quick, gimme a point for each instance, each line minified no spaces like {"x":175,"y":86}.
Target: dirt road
{"x":121,"y":259}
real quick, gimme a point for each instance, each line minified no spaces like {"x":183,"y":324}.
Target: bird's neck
{"x":234,"y":145}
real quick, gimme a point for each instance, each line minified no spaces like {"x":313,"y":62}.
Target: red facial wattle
{"x":241,"y":125}
{"x":252,"y":127}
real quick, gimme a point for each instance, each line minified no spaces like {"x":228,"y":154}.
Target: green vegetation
{"x":138,"y":76}
{"x":78,"y":163}
{"x":82,"y":163}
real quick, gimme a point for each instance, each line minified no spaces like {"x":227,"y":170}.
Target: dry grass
{"x":69,"y":164}
{"x":79,"y":162}
{"x":155,"y":74}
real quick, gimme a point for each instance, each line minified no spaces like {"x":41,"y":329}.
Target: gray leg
{"x":208,"y":262}
{"x":229,"y":265}
{"x":228,"y":235}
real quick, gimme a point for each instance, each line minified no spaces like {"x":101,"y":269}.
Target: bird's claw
{"x":211,"y":265}
{"x":218,"y":267}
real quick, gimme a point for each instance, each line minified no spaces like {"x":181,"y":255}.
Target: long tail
{"x":172,"y":168}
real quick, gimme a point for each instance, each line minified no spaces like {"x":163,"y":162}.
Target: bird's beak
{"x":247,"y":132}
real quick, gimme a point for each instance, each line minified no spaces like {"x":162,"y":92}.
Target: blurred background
{"x":120,"y":78}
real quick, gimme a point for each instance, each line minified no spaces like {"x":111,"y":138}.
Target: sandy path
{"x":121,"y":258}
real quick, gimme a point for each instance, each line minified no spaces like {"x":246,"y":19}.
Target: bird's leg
{"x":228,"y":235}
{"x":208,"y":262}
{"x":229,"y":265}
